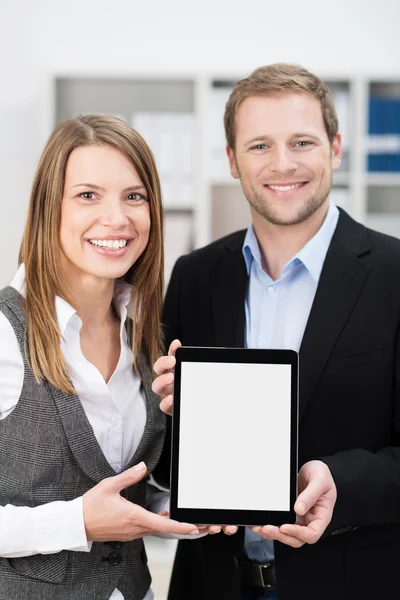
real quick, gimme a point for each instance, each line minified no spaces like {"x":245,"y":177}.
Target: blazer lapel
{"x":342,"y":279}
{"x":229,"y":281}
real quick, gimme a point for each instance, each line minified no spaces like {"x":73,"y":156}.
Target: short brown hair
{"x":40,"y":249}
{"x":277,"y":79}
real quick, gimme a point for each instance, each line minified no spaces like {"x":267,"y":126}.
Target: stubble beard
{"x":273,"y":216}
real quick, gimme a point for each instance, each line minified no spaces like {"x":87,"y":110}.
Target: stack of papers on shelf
{"x":178,"y":238}
{"x":171,"y":140}
{"x":341,"y":100}
{"x":218,"y":161}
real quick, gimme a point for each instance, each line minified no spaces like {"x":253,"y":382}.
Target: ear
{"x":336,"y":152}
{"x":232,"y":163}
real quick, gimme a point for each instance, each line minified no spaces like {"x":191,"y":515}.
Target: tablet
{"x":234,"y":436}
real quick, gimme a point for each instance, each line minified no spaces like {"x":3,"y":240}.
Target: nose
{"x":282,"y":160}
{"x":113,"y":214}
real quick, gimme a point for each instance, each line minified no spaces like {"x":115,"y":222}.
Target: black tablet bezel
{"x":228,"y":516}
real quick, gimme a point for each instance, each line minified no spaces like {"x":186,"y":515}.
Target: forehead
{"x":279,"y":115}
{"x":101,"y":165}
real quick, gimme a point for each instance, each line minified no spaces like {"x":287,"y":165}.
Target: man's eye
{"x":87,"y":195}
{"x":259,"y":147}
{"x":303,"y":143}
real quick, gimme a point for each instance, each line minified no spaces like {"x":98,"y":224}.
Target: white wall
{"x":42,"y":38}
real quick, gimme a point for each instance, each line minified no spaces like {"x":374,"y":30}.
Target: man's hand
{"x":163,"y":385}
{"x":109,"y":516}
{"x":314,"y":508}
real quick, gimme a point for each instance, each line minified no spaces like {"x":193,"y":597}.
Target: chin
{"x":104,"y":273}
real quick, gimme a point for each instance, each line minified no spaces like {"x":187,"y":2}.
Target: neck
{"x":279,"y":243}
{"x":92,"y":300}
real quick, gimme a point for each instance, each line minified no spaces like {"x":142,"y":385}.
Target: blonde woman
{"x":80,"y":429}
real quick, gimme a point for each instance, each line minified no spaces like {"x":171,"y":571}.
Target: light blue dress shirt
{"x":277,"y":312}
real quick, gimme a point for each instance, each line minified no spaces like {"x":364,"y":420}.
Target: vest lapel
{"x":80,"y":435}
{"x":154,"y":431}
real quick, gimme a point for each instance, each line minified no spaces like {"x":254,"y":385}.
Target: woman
{"x":83,"y":308}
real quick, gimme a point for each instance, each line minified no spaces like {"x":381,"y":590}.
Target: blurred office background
{"x":167,"y":68}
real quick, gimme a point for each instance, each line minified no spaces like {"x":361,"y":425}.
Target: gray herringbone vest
{"x":48,"y":451}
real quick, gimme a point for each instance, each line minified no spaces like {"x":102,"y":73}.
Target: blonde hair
{"x":40,"y":248}
{"x":278,"y":79}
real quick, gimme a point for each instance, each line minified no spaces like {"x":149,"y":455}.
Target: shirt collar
{"x":66,"y":314}
{"x":312,"y":255}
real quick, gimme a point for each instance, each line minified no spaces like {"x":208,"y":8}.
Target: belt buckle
{"x":258,"y":575}
{"x":265,"y":575}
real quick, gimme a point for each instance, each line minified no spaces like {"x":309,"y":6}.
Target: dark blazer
{"x":349,"y":414}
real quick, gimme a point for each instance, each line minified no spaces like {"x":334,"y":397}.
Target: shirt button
{"x":271,"y":290}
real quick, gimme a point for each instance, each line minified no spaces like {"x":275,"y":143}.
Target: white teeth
{"x":109,"y":244}
{"x":284,"y":188}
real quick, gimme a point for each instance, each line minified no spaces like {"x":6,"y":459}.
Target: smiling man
{"x":304,"y":276}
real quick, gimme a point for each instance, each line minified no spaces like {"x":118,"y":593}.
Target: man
{"x":304,"y":276}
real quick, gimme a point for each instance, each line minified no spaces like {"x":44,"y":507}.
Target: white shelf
{"x":341,"y":178}
{"x":225,"y":180}
{"x":383,"y":179}
{"x":388,"y":223}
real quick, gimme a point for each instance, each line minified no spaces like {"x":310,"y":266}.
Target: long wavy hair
{"x":40,"y":248}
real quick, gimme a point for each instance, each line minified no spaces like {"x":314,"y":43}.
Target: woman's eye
{"x":136,"y":197}
{"x":87,"y":195}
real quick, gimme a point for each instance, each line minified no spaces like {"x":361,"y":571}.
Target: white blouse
{"x":116,"y":410}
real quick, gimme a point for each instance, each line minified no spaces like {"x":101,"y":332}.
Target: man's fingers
{"x":164,"y":364}
{"x":270,"y":532}
{"x":128,"y":477}
{"x":267,"y":531}
{"x":174,"y":347}
{"x":309,"y":496}
{"x":230,"y":529}
{"x":166,"y":405}
{"x":163,"y":385}
{"x":294,"y":542}
{"x":308,"y":535}
{"x":212,"y":529}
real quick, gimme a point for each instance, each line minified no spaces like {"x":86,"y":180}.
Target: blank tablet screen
{"x":234,"y":440}
{"x":234,"y":452}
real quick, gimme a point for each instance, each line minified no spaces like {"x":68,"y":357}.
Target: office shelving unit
{"x":382,"y":188}
{"x":210,"y":203}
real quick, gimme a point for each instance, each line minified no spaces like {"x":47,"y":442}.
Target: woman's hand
{"x":110,"y":517}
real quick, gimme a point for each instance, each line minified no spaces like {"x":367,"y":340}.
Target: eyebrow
{"x":266,"y":138}
{"x":98,"y":187}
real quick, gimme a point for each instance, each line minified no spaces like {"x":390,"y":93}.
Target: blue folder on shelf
{"x":384,"y":134}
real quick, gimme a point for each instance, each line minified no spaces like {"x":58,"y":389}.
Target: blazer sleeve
{"x":171,"y":330}
{"x":171,"y":308}
{"x":368,"y":483}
